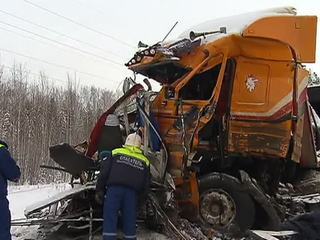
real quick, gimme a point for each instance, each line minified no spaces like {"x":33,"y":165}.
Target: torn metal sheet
{"x":55,"y":199}
{"x":272,"y":235}
{"x":310,"y":198}
{"x":312,"y":201}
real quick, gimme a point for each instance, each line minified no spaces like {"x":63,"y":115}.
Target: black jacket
{"x":111,"y":138}
{"x":126,"y":167}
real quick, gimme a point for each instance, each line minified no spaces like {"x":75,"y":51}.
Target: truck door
{"x":178,"y":105}
{"x":261,"y":108}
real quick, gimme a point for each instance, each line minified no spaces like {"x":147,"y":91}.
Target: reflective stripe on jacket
{"x":131,"y":152}
{"x":126,"y":167}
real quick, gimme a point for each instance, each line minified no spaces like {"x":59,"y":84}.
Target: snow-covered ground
{"x":22,"y":196}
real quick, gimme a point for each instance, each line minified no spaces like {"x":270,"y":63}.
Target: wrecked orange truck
{"x":232,"y":120}
{"x":233,"y":97}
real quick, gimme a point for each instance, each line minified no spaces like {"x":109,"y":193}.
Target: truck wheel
{"x":222,"y":202}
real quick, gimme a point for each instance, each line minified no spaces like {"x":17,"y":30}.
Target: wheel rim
{"x":217,"y":208}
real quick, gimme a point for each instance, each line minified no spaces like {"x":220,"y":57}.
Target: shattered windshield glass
{"x":165,"y":72}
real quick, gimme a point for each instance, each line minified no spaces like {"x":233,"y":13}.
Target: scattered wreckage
{"x":232,"y":120}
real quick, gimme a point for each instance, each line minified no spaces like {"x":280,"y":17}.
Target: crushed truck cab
{"x":230,"y":136}
{"x":233,"y":97}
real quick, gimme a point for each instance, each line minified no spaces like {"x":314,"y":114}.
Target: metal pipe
{"x":90,"y":223}
{"x":38,"y":221}
{"x":54,"y":168}
{"x":25,"y":222}
{"x":185,"y":149}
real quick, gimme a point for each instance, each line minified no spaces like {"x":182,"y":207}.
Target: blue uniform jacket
{"x":8,"y":171}
{"x":126,"y":167}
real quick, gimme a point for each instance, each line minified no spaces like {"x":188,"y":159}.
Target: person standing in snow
{"x":123,"y":177}
{"x":8,"y":171}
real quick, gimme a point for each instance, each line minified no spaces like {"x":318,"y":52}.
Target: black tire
{"x":244,"y":216}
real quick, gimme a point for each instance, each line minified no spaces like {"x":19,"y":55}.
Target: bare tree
{"x":37,"y":114}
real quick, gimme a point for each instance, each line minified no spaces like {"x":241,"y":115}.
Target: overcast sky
{"x":98,"y":57}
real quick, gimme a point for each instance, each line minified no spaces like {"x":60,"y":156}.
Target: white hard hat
{"x":112,"y":120}
{"x":133,"y":140}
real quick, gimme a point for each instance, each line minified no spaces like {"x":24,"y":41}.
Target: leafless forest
{"x":37,"y":114}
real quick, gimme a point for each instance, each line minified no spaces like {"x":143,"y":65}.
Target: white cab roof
{"x":235,"y":24}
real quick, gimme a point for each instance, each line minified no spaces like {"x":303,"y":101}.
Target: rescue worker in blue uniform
{"x":124,"y":177}
{"x":8,"y":171}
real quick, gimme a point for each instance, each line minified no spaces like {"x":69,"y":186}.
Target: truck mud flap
{"x":263,"y":201}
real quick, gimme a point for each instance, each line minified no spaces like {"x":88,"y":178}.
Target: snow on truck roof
{"x":236,"y":24}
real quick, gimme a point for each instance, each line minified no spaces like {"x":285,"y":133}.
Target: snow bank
{"x":22,"y":196}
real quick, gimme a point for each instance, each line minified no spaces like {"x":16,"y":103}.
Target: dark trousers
{"x":123,"y":199}
{"x":5,"y":219}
